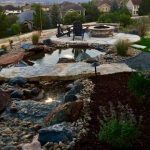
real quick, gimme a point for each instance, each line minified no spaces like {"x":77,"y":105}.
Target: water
{"x":53,"y":58}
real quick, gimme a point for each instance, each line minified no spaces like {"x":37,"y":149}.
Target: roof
{"x":65,"y":6}
{"x":136,"y":2}
{"x":25,"y":16}
{"x":102,"y":2}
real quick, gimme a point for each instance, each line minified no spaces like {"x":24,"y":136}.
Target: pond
{"x":70,"y":53}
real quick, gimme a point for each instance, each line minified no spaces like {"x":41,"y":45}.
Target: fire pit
{"x":101,"y":31}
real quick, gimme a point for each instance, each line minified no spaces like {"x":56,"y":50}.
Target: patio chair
{"x":78,"y":30}
{"x":62,"y":32}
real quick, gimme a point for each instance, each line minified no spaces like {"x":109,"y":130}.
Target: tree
{"x":144,"y":7}
{"x":37,"y":16}
{"x":114,"y":6}
{"x":55,"y":15}
{"x":91,"y":11}
{"x":72,"y":16}
{"x":3,"y":23}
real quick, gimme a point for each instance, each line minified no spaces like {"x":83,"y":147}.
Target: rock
{"x":13,"y":108}
{"x":12,"y":58}
{"x":4,"y":99}
{"x":16,"y":94}
{"x":7,"y":131}
{"x":66,"y":60}
{"x":17,"y":81}
{"x":55,"y":133}
{"x":35,"y":91}
{"x":35,"y":145}
{"x":69,"y":87}
{"x":82,"y":56}
{"x":9,"y":147}
{"x":37,"y":127}
{"x":91,"y":60}
{"x":66,"y":112}
{"x":70,"y":98}
{"x":27,"y":93}
{"x":40,"y":96}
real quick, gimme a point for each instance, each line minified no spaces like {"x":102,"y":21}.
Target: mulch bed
{"x":114,"y":88}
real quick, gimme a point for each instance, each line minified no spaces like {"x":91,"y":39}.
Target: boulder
{"x":17,"y":81}
{"x":66,"y":60}
{"x":66,"y":112}
{"x":55,"y":133}
{"x":4,"y":99}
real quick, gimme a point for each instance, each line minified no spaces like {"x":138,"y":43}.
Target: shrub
{"x":122,"y":47}
{"x":35,"y":38}
{"x":119,"y":127}
{"x":139,"y":84}
{"x":143,"y":26}
{"x":15,"y":28}
{"x":72,"y":16}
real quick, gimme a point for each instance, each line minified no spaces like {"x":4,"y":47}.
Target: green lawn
{"x":145,"y":42}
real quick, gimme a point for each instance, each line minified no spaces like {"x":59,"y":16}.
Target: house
{"x":133,"y":6}
{"x":11,"y":10}
{"x":26,"y":18}
{"x":104,"y":6}
{"x":69,"y":6}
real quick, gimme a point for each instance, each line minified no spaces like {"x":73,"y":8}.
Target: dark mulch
{"x":114,"y":88}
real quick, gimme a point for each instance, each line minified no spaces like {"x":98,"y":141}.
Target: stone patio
{"x":93,"y":40}
{"x":62,"y":71}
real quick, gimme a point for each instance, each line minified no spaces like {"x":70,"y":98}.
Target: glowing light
{"x":48,"y":100}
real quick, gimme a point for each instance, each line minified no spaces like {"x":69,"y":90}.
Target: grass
{"x":145,"y":42}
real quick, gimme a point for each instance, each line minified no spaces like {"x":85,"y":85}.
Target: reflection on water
{"x":61,"y":53}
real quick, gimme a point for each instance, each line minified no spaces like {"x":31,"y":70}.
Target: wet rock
{"x":16,"y":94}
{"x":17,"y":81}
{"x":70,"y":98}
{"x":66,"y":60}
{"x":66,"y":112}
{"x":4,"y":99}
{"x":55,"y":133}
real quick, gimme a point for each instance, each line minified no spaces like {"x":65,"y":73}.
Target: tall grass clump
{"x":119,"y":126}
{"x":35,"y":38}
{"x":122,"y":47}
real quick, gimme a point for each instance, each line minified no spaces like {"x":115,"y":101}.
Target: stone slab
{"x":93,"y":40}
{"x":11,"y":58}
{"x":138,"y":46}
{"x":62,"y":71}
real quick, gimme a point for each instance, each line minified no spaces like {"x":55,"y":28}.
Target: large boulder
{"x":4,"y":99}
{"x":55,"y":133}
{"x":66,"y":112}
